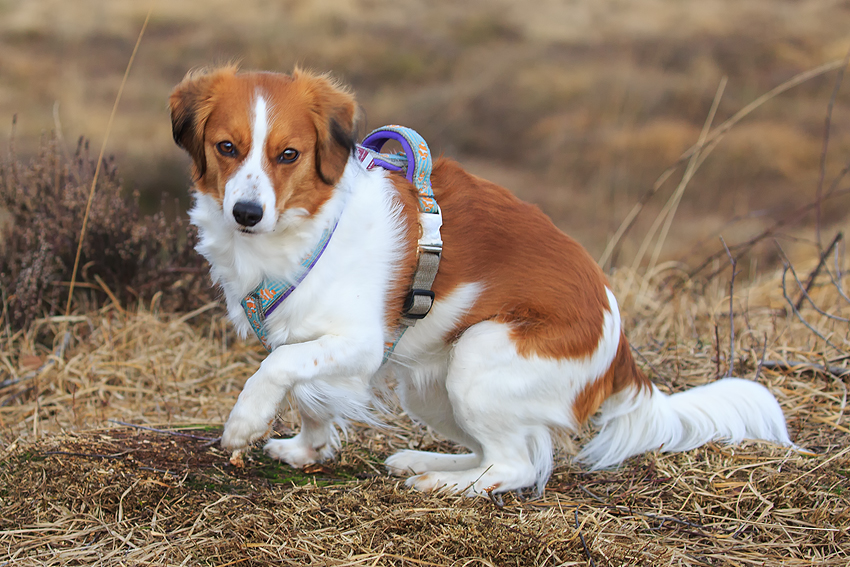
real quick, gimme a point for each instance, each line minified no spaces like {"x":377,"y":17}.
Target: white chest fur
{"x":345,"y":292}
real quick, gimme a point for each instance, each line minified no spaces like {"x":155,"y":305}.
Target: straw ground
{"x":79,"y":488}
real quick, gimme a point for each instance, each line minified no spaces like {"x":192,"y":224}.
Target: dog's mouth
{"x":244,"y":230}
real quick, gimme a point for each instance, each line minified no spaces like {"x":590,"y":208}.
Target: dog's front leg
{"x":328,"y":357}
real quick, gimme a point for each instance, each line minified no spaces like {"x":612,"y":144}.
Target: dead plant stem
{"x":713,"y":138}
{"x":814,"y":274}
{"x":100,"y":163}
{"x":823,"y":155}
{"x":734,"y":263}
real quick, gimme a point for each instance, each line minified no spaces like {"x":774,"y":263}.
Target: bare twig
{"x":811,"y":279}
{"x":629,"y":510}
{"x":796,"y":215}
{"x":761,"y":360}
{"x":731,"y":310}
{"x":839,"y":275}
{"x":786,"y":267}
{"x":165,"y":431}
{"x":717,"y":349}
{"x":806,"y":296}
{"x":826,"y":128}
{"x":584,"y":543}
{"x":90,"y":455}
{"x":654,"y":369}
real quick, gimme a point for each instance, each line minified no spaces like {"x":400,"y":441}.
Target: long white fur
{"x":731,"y":409}
{"x":479,"y":391}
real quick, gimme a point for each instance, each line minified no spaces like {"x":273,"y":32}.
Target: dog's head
{"x":264,"y":144}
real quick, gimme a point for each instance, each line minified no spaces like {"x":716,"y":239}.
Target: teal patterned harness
{"x":267,"y":296}
{"x":415,"y":163}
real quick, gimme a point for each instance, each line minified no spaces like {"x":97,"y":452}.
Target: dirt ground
{"x":124,"y":496}
{"x":84,"y":480}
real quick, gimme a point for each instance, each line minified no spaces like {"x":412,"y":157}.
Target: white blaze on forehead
{"x":251,"y":183}
{"x":259,"y":133}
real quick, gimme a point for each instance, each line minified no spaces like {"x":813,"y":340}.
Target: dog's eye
{"x":226,"y":149}
{"x":288,"y":156}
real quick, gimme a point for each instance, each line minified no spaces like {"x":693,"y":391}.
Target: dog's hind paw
{"x":405,"y":463}
{"x":480,"y":481}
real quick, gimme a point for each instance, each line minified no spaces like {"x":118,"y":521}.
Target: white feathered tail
{"x":730,"y":409}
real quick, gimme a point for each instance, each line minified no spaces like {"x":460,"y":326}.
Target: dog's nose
{"x":247,"y":213}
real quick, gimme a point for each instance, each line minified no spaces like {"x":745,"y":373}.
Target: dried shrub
{"x":128,"y":253}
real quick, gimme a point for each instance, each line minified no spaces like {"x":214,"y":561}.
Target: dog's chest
{"x":344,"y":293}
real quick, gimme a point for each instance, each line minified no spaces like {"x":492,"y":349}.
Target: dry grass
{"x":80,"y":489}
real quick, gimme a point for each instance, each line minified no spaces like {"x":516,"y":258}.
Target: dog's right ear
{"x":191,"y":103}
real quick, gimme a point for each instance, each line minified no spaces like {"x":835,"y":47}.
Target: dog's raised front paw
{"x":242,"y":430}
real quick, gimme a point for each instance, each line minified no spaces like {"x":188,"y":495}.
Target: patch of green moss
{"x":277,"y":472}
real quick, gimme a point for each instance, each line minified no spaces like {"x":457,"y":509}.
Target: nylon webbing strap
{"x":269,"y":294}
{"x":416,"y":164}
{"x":421,"y":297}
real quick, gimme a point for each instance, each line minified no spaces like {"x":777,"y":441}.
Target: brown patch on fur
{"x":306,"y":112}
{"x":623,"y":372}
{"x":536,"y":279}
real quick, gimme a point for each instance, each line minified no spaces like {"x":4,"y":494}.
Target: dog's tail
{"x":639,"y":419}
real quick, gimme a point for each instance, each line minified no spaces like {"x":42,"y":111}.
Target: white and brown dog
{"x":524,"y":338}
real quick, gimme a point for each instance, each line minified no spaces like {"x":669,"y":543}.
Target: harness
{"x":415,"y":163}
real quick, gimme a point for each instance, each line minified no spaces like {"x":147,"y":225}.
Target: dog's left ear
{"x":334,"y":114}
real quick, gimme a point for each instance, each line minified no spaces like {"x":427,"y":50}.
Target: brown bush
{"x":126,"y":253}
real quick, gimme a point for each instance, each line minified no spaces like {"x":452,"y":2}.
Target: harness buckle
{"x":431,"y":248}
{"x":418,"y":303}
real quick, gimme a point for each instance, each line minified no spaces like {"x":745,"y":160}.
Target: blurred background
{"x":576,"y":105}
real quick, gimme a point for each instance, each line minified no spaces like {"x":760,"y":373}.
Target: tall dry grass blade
{"x":712,"y":140}
{"x":672,"y":204}
{"x":100,"y":162}
{"x":693,"y":165}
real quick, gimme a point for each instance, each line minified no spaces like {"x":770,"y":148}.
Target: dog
{"x":523,"y":340}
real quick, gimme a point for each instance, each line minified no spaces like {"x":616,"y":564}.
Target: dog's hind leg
{"x":431,"y":405}
{"x":507,"y":403}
